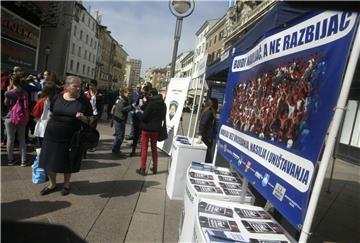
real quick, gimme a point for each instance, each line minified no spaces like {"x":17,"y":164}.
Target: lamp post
{"x":47,"y":53}
{"x":180,"y":9}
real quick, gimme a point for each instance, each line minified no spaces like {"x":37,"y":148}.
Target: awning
{"x":281,"y":13}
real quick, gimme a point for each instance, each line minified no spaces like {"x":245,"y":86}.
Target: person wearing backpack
{"x":16,"y":99}
{"x":119,"y":113}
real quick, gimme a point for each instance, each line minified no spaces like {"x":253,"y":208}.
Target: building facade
{"x":187,"y":65}
{"x":215,"y":40}
{"x":104,"y":58}
{"x":83,"y":45}
{"x":135,"y":70}
{"x":119,"y":66}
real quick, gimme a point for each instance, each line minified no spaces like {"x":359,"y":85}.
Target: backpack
{"x":19,"y":113}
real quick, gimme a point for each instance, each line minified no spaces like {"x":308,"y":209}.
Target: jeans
{"x":145,"y":136}
{"x":119,"y":136}
{"x":11,"y":129}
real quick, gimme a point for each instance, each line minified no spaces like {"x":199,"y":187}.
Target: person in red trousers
{"x":153,"y":115}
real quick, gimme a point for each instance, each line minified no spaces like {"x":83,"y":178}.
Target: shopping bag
{"x":38,"y":174}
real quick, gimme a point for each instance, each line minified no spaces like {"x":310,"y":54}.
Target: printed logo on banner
{"x":173,"y":108}
{"x":278,"y":106}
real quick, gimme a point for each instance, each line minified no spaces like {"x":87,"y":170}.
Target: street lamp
{"x":47,"y":53}
{"x":180,"y":9}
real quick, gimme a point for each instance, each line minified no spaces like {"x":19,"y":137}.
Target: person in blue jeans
{"x":120,"y":112}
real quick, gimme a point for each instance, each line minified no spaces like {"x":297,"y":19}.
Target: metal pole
{"x":340,"y":106}
{"x":46,"y":62}
{"x":244,"y":189}
{"x":199,"y":106}
{"x":193,"y":107}
{"x":177,"y":36}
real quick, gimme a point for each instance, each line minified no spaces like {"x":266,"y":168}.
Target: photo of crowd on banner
{"x":275,"y":105}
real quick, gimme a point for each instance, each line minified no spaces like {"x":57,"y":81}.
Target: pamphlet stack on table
{"x":184,"y":151}
{"x":208,"y":181}
{"x":219,"y":221}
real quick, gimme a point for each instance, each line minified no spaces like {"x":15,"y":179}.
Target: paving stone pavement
{"x":109,"y":202}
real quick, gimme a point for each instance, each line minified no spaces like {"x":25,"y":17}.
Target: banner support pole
{"x":339,"y":109}
{"x":244,"y":189}
{"x":193,"y":106}
{"x":199,"y":106}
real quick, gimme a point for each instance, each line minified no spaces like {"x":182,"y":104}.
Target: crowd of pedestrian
{"x":52,"y":113}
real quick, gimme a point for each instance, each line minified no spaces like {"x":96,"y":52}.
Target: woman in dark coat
{"x":207,"y":126}
{"x":151,"y":123}
{"x":68,"y":111}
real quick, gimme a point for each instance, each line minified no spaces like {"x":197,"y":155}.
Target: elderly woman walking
{"x":68,"y":112}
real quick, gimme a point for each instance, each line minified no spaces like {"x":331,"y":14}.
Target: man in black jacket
{"x":151,"y":123}
{"x":119,"y":112}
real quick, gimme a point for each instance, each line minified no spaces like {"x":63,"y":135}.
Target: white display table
{"x":183,"y":152}
{"x":219,"y":221}
{"x":207,"y":181}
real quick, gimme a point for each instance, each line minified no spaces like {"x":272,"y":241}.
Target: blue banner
{"x":279,"y":102}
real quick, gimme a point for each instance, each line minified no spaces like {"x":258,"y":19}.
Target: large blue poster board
{"x":279,"y":103}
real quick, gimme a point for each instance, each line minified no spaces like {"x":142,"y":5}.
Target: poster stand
{"x":335,"y":125}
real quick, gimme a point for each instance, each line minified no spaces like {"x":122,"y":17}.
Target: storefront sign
{"x":18,"y":29}
{"x":279,"y":103}
{"x":15,"y":54}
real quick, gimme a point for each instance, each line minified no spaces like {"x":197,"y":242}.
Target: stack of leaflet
{"x":219,"y":221}
{"x":207,"y":181}
{"x":182,"y":140}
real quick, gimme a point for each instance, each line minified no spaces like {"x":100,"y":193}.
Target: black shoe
{"x":140,"y":171}
{"x":65,"y":191}
{"x":47,"y":190}
{"x":154,"y":170}
{"x":12,"y":162}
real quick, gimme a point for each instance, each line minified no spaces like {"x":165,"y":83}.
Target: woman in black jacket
{"x":151,"y":123}
{"x":207,"y":126}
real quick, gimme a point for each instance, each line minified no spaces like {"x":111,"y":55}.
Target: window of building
{"x":71,"y":64}
{"x":215,"y":39}
{"x":93,"y":26}
{"x":87,"y":38}
{"x":92,"y":71}
{"x":88,"y":71}
{"x":90,"y":56}
{"x":91,"y":40}
{"x":95,"y":45}
{"x":85,"y":54}
{"x":79,"y":51}
{"x":73,"y":48}
{"x":221,"y":35}
{"x":77,"y":66}
{"x":81,"y":32}
{"x":83,"y":17}
{"x":89,"y":22}
{"x":83,"y":69}
{"x":75,"y":30}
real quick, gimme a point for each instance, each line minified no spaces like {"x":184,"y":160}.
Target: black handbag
{"x":163,"y":135}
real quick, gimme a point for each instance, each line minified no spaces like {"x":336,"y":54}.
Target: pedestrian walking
{"x":96,"y":101}
{"x":16,"y":99}
{"x":119,"y":113}
{"x":151,"y":124}
{"x":68,"y":113}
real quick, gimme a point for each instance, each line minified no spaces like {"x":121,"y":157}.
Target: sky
{"x":146,"y":28}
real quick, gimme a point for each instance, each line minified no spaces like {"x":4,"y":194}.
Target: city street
{"x":108,"y":202}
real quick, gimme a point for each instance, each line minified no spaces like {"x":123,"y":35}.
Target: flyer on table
{"x":279,"y":102}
